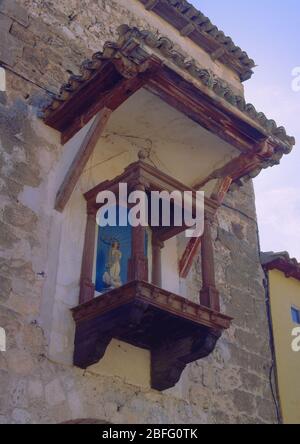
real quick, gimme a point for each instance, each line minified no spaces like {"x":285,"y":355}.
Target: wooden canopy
{"x":140,"y":59}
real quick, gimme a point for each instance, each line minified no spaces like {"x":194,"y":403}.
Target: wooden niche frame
{"x":175,"y":330}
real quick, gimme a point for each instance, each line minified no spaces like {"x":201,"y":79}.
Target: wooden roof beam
{"x":87,"y":147}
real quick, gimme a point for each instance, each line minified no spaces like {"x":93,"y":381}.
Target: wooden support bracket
{"x":193,"y":247}
{"x":81,"y":159}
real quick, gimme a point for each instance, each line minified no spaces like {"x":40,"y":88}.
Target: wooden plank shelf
{"x":175,"y":330}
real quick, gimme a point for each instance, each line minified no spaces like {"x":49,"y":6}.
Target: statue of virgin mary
{"x":112,"y":277}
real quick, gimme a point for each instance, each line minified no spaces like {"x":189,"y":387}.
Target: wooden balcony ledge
{"x":175,"y":330}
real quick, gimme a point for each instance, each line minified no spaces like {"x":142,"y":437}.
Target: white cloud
{"x":279,"y":220}
{"x":278,"y":189}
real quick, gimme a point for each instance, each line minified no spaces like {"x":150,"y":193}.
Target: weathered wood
{"x":157,"y":246}
{"x":90,"y":91}
{"x":138,"y":263}
{"x":221,"y":189}
{"x":107,"y":87}
{"x":209,"y":296}
{"x":216,"y":118}
{"x":242,"y":165}
{"x":191,"y":251}
{"x":175,"y":330}
{"x":193,"y":247}
{"x":92,"y":349}
{"x":81,"y":159}
{"x":171,"y":303}
{"x":170,"y":359}
{"x":111,"y":100}
{"x":156,"y":181}
{"x":118,"y":79}
{"x":87,"y":287}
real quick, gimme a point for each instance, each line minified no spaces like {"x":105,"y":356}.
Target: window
{"x":296,"y":315}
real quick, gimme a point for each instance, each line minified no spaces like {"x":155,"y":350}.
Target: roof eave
{"x":282,"y":262}
{"x":142,"y":59}
{"x":193,"y":24}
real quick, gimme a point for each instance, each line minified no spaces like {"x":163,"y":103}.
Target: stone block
{"x":4,"y":419}
{"x":7,"y":237}
{"x":5,"y":23}
{"x":21,"y":416}
{"x":3,"y":95}
{"x":5,"y":288}
{"x":19,"y":393}
{"x":35,"y":389}
{"x":25,"y":174}
{"x":20,"y":362}
{"x":20,"y":216}
{"x":54,"y":393}
{"x":266,"y":409}
{"x":15,"y":11}
{"x":23,"y":34}
{"x":244,"y":402}
{"x":10,"y":48}
{"x":251,"y":382}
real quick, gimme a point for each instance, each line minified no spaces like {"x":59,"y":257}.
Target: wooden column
{"x":138,"y":263}
{"x":87,"y":287}
{"x":157,"y":246}
{"x":209,"y":295}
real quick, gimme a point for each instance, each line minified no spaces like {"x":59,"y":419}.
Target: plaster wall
{"x":285,"y":294}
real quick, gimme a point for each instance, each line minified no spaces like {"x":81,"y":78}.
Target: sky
{"x":269,"y":31}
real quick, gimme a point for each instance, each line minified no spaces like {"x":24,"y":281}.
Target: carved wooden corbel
{"x":92,"y":348}
{"x":170,"y":358}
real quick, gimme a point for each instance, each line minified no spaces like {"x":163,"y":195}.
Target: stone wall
{"x":40,"y":44}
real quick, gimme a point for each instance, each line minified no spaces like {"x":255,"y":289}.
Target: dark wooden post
{"x":209,"y":295}
{"x":138,"y":263}
{"x":157,"y":246}
{"x":87,"y":287}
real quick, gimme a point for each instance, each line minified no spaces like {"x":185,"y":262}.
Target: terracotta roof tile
{"x":282,"y":262}
{"x":193,"y":24}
